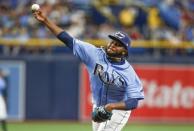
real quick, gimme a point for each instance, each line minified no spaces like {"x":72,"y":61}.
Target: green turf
{"x":67,"y":126}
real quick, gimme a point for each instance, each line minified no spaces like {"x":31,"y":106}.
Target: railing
{"x":97,"y":42}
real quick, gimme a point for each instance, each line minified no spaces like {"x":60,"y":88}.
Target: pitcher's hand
{"x":39,"y":15}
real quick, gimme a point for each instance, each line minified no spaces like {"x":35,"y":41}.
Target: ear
{"x":124,"y":53}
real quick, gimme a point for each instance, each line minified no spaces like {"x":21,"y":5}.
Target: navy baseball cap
{"x":122,"y":38}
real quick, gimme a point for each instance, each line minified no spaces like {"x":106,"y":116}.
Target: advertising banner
{"x":169,"y":93}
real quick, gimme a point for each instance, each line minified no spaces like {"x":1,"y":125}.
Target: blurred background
{"x":45,"y":82}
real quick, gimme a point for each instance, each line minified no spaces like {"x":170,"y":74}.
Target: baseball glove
{"x":100,"y":114}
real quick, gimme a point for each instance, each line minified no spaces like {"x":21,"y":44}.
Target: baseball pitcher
{"x":116,"y":88}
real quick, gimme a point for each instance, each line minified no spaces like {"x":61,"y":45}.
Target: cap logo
{"x":120,"y":35}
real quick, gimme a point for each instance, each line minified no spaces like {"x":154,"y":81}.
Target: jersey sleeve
{"x":84,"y":51}
{"x":135,"y":89}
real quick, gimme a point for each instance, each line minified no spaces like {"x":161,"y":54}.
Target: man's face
{"x":116,"y":49}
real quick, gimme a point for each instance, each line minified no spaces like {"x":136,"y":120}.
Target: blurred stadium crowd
{"x":171,"y":20}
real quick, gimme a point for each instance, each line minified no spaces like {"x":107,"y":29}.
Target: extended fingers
{"x":36,"y":13}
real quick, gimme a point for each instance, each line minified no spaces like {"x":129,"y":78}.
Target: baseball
{"x":35,"y":7}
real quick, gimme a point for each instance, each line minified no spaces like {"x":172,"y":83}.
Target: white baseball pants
{"x":117,"y":122}
{"x":3,"y":112}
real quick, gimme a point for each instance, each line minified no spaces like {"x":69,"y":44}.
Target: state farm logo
{"x":162,"y":96}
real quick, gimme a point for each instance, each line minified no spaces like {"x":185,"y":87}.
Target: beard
{"x":114,"y":54}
